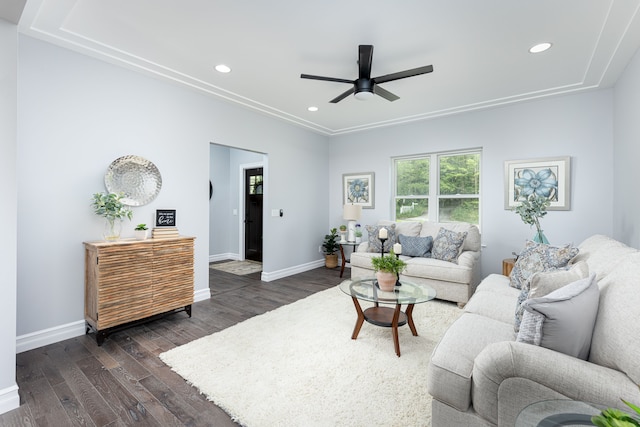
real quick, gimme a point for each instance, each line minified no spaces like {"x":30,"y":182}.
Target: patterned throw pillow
{"x":447,"y":245}
{"x":416,"y":246}
{"x":375,"y":245}
{"x":536,"y":257}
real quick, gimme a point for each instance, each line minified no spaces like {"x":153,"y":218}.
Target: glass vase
{"x":539,"y":237}
{"x":112,"y":229}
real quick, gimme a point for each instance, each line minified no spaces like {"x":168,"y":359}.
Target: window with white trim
{"x":438,"y":187}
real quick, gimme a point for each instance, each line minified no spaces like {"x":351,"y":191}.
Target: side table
{"x":354,"y":245}
{"x":507,"y":266}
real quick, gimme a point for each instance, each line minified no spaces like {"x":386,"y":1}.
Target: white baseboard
{"x":71,"y":330}
{"x":224,"y":257}
{"x":75,"y":329}
{"x":49,"y":336}
{"x":9,"y":399}
{"x":201,"y":295}
{"x":273,"y":275}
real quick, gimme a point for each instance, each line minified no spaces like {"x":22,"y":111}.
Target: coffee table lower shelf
{"x":386,"y":317}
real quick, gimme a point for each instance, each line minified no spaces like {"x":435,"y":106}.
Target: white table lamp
{"x":351,"y":213}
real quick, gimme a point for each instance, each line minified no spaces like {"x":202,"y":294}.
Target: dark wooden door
{"x":253,"y":185}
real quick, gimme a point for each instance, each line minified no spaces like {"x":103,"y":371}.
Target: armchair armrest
{"x":468,"y":258}
{"x":555,"y":372}
{"x":363,"y":247}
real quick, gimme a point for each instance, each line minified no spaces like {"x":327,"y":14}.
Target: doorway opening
{"x":253,"y":206}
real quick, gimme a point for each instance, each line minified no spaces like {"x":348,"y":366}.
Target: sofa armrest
{"x":468,"y":258}
{"x":363,"y":247}
{"x":555,"y":372}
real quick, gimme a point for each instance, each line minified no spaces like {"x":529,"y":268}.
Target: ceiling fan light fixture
{"x":540,"y":47}
{"x":363,"y":95}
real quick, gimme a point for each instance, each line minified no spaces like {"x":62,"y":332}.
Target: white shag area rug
{"x":298,"y":366}
{"x":239,"y":268}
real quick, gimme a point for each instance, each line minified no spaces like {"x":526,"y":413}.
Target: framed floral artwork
{"x":358,"y":189}
{"x":549,"y":178}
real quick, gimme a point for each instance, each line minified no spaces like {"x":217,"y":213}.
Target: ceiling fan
{"x":364,"y":86}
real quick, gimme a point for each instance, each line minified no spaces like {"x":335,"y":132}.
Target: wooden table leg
{"x":394,"y":328}
{"x":344,"y":260}
{"x":359,"y":321}
{"x":409,"y":313}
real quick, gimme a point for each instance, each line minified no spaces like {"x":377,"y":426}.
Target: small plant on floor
{"x":330,"y":244}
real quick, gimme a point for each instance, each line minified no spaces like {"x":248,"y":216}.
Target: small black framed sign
{"x":165,"y":218}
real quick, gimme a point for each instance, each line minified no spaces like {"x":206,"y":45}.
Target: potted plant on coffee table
{"x":330,"y":247}
{"x":388,"y":269}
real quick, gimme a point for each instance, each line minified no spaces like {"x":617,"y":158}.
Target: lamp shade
{"x":351,"y":212}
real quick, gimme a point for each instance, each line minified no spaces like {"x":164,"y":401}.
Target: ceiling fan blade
{"x":385,"y":93}
{"x":403,"y":74}
{"x":342,"y":96}
{"x":328,"y":79}
{"x":365,"y":58}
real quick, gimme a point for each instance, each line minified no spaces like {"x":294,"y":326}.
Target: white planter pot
{"x":140,"y":234}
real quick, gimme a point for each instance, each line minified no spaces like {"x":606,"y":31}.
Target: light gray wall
{"x":8,"y":214}
{"x":77,"y":114}
{"x":626,"y":173}
{"x":224,"y":224}
{"x":579,"y":126}
{"x":220,"y":216}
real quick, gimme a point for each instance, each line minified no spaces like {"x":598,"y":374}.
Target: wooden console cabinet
{"x":133,"y":280}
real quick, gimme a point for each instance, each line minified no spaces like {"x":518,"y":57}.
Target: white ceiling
{"x":479,"y":50}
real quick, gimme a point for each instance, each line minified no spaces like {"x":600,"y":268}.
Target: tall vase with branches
{"x":531,"y":210}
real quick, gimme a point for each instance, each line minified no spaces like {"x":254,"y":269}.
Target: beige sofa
{"x":453,"y":281}
{"x":480,"y":376}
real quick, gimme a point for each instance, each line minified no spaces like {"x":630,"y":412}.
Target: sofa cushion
{"x":447,"y":245}
{"x":494,"y":298}
{"x":451,"y":365}
{"x":602,"y":254}
{"x":617,"y":327}
{"x":563,"y":320}
{"x":497,"y":283}
{"x":536,"y":257}
{"x":416,"y":245}
{"x":375,"y":244}
{"x":429,"y":268}
{"x":545,"y":282}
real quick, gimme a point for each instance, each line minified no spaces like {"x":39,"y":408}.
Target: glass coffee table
{"x":558,"y":412}
{"x":406,"y":293}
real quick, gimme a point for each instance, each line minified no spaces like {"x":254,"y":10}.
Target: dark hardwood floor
{"x":124,"y":382}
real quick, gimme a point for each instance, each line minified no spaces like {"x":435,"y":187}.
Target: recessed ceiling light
{"x":540,"y":47}
{"x":223,"y":68}
{"x":312,"y":108}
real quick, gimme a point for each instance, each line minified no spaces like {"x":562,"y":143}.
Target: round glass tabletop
{"x":407,"y":293}
{"x":558,"y":412}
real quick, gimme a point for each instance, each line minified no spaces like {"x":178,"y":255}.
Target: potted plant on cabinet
{"x":330,"y":247}
{"x":141,"y":231}
{"x":110,"y":206}
{"x":387,"y":269}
